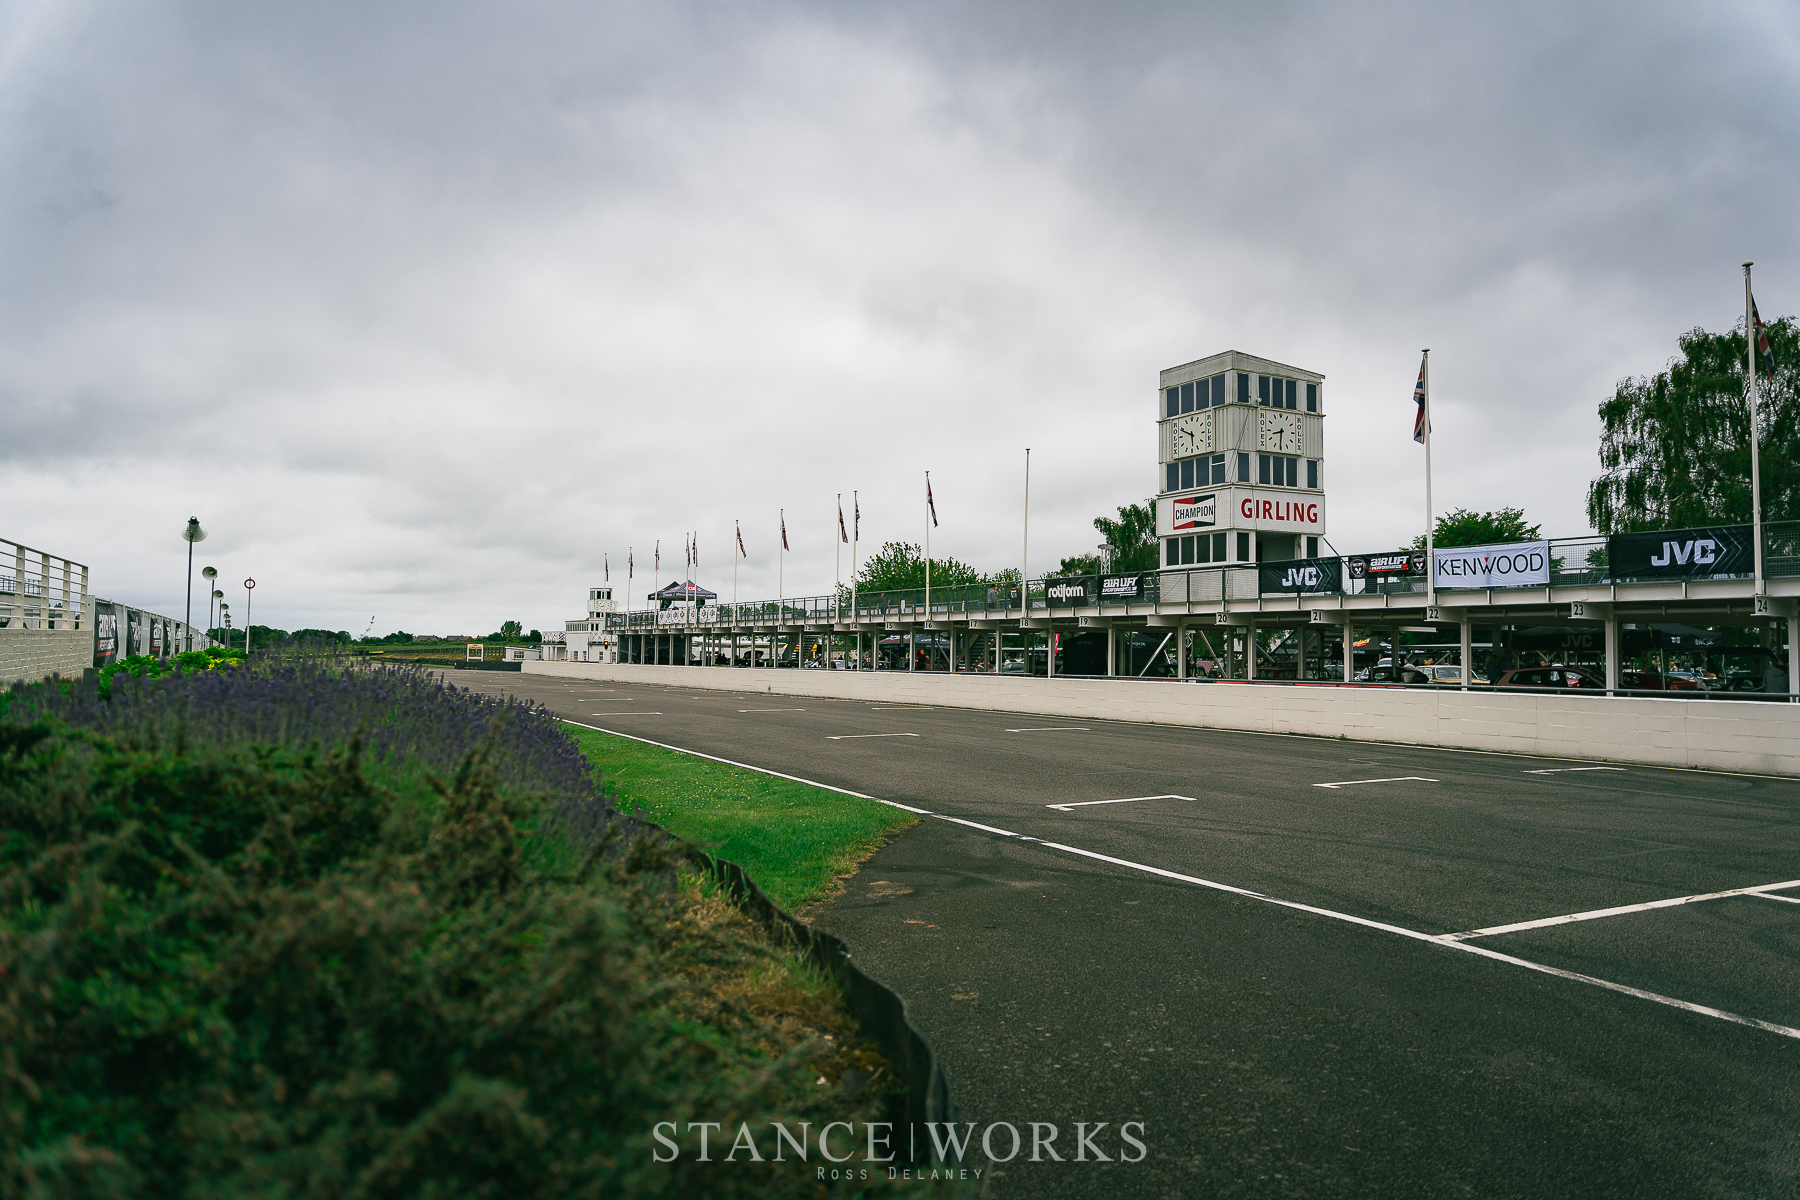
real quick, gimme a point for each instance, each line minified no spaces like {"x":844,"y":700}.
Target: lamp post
{"x":193,"y":533}
{"x":249,"y":586}
{"x":209,"y":574}
{"x":217,"y":596}
{"x":225,"y":620}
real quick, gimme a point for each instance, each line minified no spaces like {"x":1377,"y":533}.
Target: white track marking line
{"x":1596,"y":914}
{"x":903,"y":708}
{"x":1566,"y":770}
{"x":629,"y":714}
{"x":1053,"y":729}
{"x":1448,"y":942}
{"x":1126,"y":800}
{"x":845,"y":737}
{"x":1445,"y":941}
{"x":1395,"y":779}
{"x":1773,"y":896}
{"x":745,"y":710}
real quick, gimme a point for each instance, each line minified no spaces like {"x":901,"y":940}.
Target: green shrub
{"x":263,"y":972}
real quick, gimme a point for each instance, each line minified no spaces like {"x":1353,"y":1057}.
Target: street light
{"x":249,"y":585}
{"x":209,"y":574}
{"x":217,"y":596}
{"x":225,"y":620}
{"x":193,"y":533}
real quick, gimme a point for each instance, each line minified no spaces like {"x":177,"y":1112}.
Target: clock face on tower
{"x":1192,"y":434}
{"x":1279,"y":432}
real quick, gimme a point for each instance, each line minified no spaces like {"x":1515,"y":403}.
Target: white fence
{"x":39,"y":590}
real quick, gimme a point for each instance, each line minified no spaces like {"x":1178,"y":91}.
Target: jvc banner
{"x":1301,"y":575}
{"x":1514,"y":564}
{"x":1681,"y":553}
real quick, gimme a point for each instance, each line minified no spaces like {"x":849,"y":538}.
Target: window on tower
{"x":1312,"y":397}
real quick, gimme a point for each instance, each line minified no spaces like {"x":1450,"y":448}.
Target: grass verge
{"x":794,"y":839}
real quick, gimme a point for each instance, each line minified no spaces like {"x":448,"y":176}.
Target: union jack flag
{"x":784,"y":544}
{"x":1419,"y":424}
{"x":930,"y":507}
{"x":841,"y":532}
{"x":740,"y":540}
{"x":1765,"y":357}
{"x":855,"y":518}
{"x":606,"y":565}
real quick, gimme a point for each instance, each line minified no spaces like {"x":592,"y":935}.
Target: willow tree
{"x":1675,"y":446}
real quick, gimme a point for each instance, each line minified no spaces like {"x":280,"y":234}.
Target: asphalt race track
{"x":1244,"y":942}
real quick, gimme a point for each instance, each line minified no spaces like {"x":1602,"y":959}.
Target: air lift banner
{"x":1401,"y":564}
{"x":1515,"y":564}
{"x":1301,"y":575}
{"x":1681,"y":553}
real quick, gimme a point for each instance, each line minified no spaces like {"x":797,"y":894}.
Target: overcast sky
{"x":424,"y":309}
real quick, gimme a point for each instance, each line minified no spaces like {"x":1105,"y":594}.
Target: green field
{"x":793,"y":838}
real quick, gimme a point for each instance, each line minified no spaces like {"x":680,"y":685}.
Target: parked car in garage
{"x":1386,"y":672}
{"x":1551,"y":677}
{"x":1650,"y":681}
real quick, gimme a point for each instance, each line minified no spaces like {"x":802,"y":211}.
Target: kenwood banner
{"x":1301,"y":575}
{"x":1514,"y":564}
{"x":1681,"y":553}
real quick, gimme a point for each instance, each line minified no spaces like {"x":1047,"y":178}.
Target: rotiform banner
{"x":1067,"y":593}
{"x":1514,"y":564}
{"x":1682,"y":553}
{"x":1301,"y":575}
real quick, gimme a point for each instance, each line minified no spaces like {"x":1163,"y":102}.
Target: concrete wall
{"x":1721,"y":735}
{"x":34,"y":654}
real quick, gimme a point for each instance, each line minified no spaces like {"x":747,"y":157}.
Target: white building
{"x":586,"y":640}
{"x":1240,"y":470}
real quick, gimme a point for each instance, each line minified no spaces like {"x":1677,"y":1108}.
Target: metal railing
{"x":39,"y":590}
{"x":1574,"y":562}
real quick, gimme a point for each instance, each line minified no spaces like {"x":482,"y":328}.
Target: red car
{"x":1551,"y":677}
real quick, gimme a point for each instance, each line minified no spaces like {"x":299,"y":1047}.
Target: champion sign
{"x":1197,"y":511}
{"x":1515,"y":564}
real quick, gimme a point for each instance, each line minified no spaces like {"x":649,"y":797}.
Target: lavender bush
{"x":411,"y":723}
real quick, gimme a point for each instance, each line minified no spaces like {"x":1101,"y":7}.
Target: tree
{"x":1466,"y":527}
{"x":1129,"y":542}
{"x":902,"y":565}
{"x":511,"y":631}
{"x":1082,"y":564}
{"x":1675,"y":448}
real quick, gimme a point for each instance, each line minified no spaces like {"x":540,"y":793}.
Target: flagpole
{"x":1759,"y":583}
{"x":1025,"y":546}
{"x":928,"y":549}
{"x":1430,"y":526}
{"x":781,"y":572}
{"x":855,"y":542}
{"x":837,"y":552}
